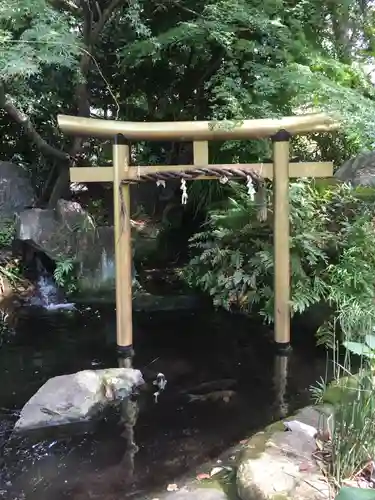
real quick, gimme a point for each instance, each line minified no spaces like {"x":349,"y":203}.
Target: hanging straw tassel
{"x":261,"y":202}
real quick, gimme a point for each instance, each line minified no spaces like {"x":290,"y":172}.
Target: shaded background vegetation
{"x":177,"y":60}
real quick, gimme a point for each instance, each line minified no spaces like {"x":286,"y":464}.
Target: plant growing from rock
{"x":65,"y":276}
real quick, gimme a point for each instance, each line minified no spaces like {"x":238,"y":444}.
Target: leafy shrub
{"x":351,"y":397}
{"x":64,"y":275}
{"x":332,"y":247}
{"x":7,"y":229}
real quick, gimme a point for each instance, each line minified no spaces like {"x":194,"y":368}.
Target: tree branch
{"x":91,"y":32}
{"x":88,"y":21}
{"x":24,"y":121}
{"x":103,"y":19}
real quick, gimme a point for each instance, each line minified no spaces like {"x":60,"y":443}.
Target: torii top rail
{"x":122,"y":174}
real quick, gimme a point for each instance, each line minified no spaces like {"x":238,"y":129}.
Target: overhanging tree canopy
{"x":177,"y":60}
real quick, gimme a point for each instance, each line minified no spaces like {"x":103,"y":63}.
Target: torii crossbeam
{"x":122,"y":174}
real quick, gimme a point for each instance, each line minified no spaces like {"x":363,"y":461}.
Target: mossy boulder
{"x":279,"y":465}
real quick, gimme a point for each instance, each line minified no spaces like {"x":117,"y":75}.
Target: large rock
{"x":358,"y":171}
{"x":279,"y":465}
{"x":195,"y":494}
{"x":77,"y":397}
{"x":64,"y":233}
{"x":16,"y":192}
{"x":69,"y":232}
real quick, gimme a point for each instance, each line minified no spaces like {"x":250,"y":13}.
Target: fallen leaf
{"x":203,"y":476}
{"x":172,"y":487}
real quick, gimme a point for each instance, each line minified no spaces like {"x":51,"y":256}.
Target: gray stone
{"x":36,"y":226}
{"x":195,"y":494}
{"x":285,"y":467}
{"x":16,"y":192}
{"x":358,"y":171}
{"x":64,"y":233}
{"x":69,"y":232}
{"x":77,"y":397}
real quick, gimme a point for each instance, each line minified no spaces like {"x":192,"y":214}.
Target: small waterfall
{"x":107,"y":267}
{"x":48,"y":295}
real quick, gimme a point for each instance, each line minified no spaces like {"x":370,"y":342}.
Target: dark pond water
{"x":174,"y":437}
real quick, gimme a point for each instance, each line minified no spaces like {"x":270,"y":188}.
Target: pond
{"x":174,"y":437}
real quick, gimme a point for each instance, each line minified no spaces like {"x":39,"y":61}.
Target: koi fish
{"x":214,"y":396}
{"x":211,"y":385}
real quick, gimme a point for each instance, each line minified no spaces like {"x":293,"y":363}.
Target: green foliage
{"x":227,"y":59}
{"x":7,"y":229}
{"x":34,"y":34}
{"x":237,"y":59}
{"x":97,"y":211}
{"x":353,"y":438}
{"x":332,"y":248}
{"x":353,"y":406}
{"x":203,"y":195}
{"x":11,"y":273}
{"x":64,"y":275}
{"x":365,"y":348}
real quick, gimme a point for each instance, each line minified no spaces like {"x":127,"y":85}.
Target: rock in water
{"x":280,"y":465}
{"x":77,"y":397}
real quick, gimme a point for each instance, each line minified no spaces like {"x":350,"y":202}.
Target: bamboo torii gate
{"x":122,"y":174}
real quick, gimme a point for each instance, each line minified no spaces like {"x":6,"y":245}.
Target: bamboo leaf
{"x":359,"y":349}
{"x":349,"y":493}
{"x":370,"y":341}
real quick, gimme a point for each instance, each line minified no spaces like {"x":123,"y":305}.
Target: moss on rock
{"x":269,"y":464}
{"x":257,"y":444}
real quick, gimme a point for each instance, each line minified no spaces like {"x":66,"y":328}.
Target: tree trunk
{"x":61,"y":188}
{"x":91,"y":33}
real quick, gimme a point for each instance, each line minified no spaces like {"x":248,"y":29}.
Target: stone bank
{"x":278,"y":465}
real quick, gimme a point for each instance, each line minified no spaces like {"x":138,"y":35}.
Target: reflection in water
{"x":129,"y":415}
{"x":154,"y":444}
{"x":116,"y":479}
{"x":281,"y":383}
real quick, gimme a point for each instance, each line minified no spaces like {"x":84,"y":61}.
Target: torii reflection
{"x":111,"y":481}
{"x":129,"y":410}
{"x":280,"y":380}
